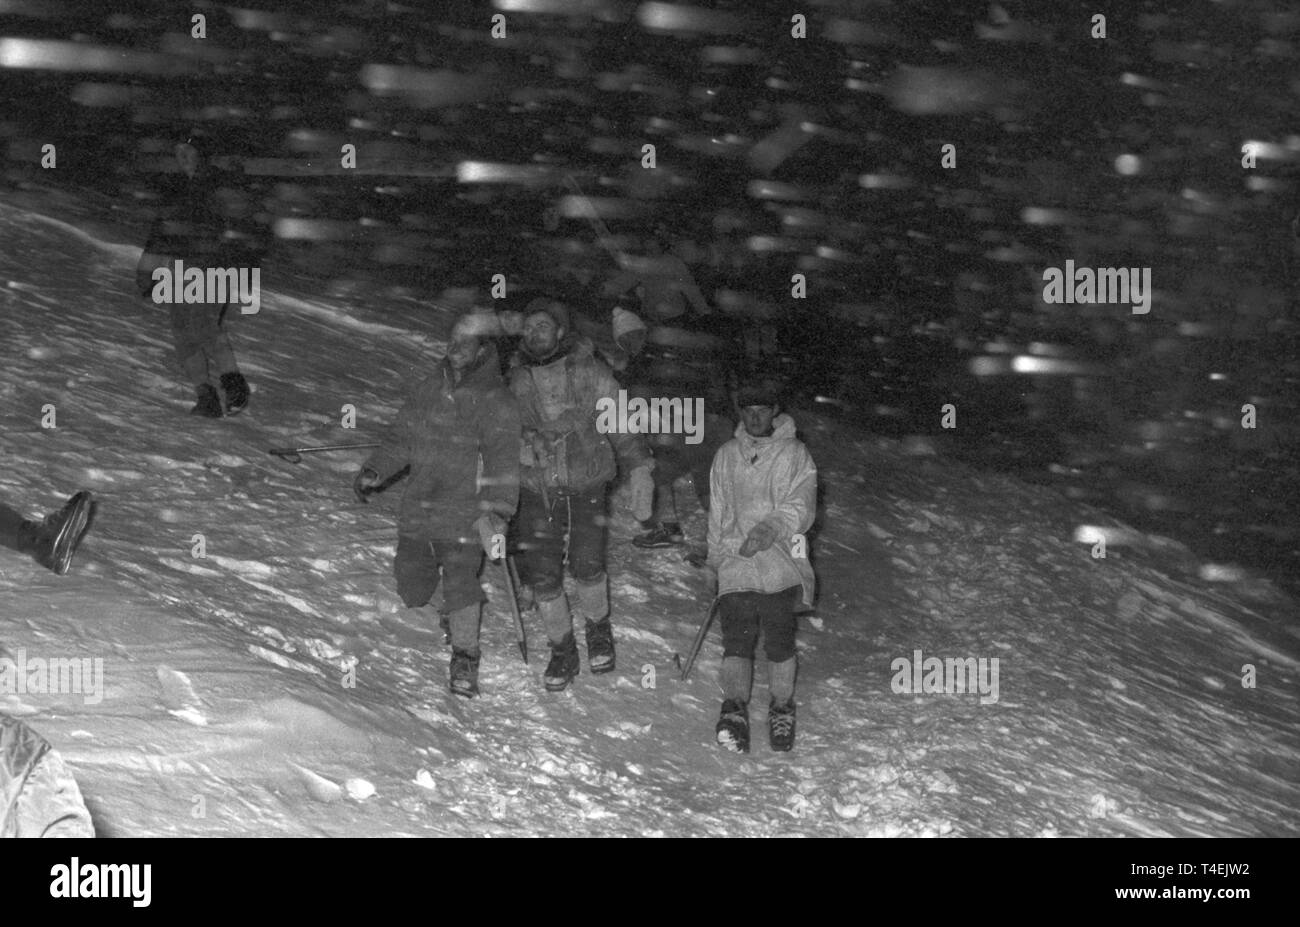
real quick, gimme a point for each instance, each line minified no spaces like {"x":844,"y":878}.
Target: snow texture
{"x":1121,"y":708}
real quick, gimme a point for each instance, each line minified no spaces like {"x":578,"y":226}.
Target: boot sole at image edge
{"x":65,"y":545}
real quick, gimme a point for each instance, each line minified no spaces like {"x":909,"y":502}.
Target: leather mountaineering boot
{"x":732,"y":731}
{"x":236,"y":389}
{"x":780,"y":726}
{"x":464,"y":673}
{"x":563,"y":666}
{"x":209,"y":404}
{"x":53,"y":541}
{"x":600,"y":647}
{"x":593,"y":603}
{"x":664,"y":534}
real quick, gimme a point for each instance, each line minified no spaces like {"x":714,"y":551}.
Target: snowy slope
{"x":1120,"y":708}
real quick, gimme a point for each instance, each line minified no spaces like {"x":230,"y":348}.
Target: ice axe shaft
{"x":508,"y":568}
{"x":603,"y":234}
{"x":294,"y":454}
{"x":699,"y":640}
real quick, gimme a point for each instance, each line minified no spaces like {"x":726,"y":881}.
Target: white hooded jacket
{"x":772,"y":480}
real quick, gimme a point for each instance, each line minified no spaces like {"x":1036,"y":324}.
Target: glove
{"x":643,"y":493}
{"x":761,"y":537}
{"x":365,"y":483}
{"x":490,"y":526}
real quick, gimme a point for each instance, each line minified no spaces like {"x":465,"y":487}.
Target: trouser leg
{"x":221,"y":352}
{"x":461,"y":565}
{"x":588,"y":519}
{"x":541,"y":544}
{"x":739,"y":616}
{"x":15,"y":530}
{"x":415,"y":566}
{"x":776,"y":616}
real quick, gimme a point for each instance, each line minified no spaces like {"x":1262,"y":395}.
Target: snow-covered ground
{"x":1120,"y":707}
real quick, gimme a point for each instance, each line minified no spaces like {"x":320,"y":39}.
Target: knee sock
{"x":780,"y":679}
{"x":737,"y":678}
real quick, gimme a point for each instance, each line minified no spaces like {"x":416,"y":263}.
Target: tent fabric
{"x":38,"y":795}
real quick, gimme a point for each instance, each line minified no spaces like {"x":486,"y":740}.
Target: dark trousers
{"x":541,"y":530}
{"x":674,"y":458}
{"x":743,"y":613}
{"x":12,"y":534}
{"x":202,"y":347}
{"x":417,"y":566}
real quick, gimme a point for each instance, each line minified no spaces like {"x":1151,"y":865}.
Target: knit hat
{"x":477,"y":324}
{"x":558,"y":312}
{"x":460,"y":298}
{"x":758,"y":390}
{"x":626,"y":322}
{"x":198,"y":140}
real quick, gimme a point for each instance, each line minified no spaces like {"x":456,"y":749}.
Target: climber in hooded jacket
{"x":764,"y":500}
{"x":568,"y":465}
{"x":192,"y":231}
{"x":458,"y":437}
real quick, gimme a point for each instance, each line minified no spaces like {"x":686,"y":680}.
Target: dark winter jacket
{"x":462,"y":445}
{"x":666,"y":285}
{"x":191,"y":227}
{"x":686,"y":362}
{"x":563,"y":452}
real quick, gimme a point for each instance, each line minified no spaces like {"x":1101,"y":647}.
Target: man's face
{"x":463,"y":351}
{"x":541,"y":334}
{"x":758,"y":419}
{"x":188,"y":157}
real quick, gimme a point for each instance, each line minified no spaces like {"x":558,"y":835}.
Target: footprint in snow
{"x":318,"y":787}
{"x":179,"y":698}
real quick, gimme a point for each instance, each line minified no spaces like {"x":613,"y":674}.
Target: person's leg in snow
{"x":53,"y":541}
{"x":776,"y":616}
{"x":205,"y":355}
{"x":463,"y":600}
{"x":717,"y":432}
{"x":415,"y":567}
{"x":542,"y":523}
{"x":665,"y":525}
{"x":588,"y":536}
{"x":233,"y":384}
{"x":190,"y":338}
{"x":738,"y":612}
{"x":593,"y":601}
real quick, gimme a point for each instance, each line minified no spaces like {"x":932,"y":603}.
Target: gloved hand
{"x":365,"y":483}
{"x":490,"y":526}
{"x":761,"y":537}
{"x":643,"y":492}
{"x":633,"y":342}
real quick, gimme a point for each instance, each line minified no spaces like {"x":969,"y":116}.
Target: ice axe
{"x":508,"y":569}
{"x":294,"y":454}
{"x":603,"y":234}
{"x":699,"y":640}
